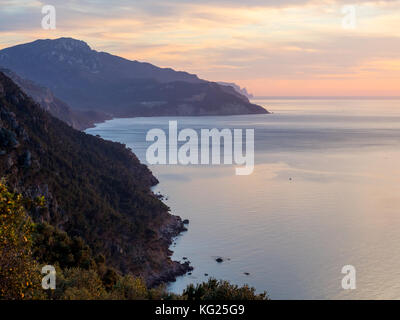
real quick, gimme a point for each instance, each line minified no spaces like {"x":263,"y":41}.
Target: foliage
{"x":130,"y":288}
{"x":79,"y":284}
{"x":95,"y":190}
{"x":52,"y":245}
{"x":98,"y":222}
{"x":79,"y":275}
{"x":221,"y":290}
{"x":18,"y":270}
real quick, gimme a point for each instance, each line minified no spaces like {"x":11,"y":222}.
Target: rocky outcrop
{"x":168,"y":270}
{"x":242,"y":91}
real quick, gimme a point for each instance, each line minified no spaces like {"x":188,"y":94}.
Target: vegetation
{"x":83,"y":205}
{"x":221,"y":290}
{"x":19,"y":277}
{"x":25,"y":245}
{"x":96,"y":191}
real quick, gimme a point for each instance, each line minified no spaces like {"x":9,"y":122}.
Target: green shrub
{"x":19,"y":276}
{"x":221,"y":290}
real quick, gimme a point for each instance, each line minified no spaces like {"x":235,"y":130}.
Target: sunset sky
{"x":274,"y":48}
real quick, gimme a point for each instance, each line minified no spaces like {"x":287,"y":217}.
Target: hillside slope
{"x":77,"y":119}
{"x":93,"y":188}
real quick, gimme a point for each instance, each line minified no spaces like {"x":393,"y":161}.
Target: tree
{"x":19,"y":273}
{"x":222,"y":290}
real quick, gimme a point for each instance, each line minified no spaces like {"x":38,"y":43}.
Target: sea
{"x":324,"y":194}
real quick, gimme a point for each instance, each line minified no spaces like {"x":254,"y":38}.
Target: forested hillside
{"x":95,"y":191}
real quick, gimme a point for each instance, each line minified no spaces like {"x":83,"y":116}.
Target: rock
{"x":247,"y":274}
{"x":171,"y":228}
{"x":153,"y":181}
{"x":169,"y":273}
{"x":184,"y":258}
{"x":219,"y":260}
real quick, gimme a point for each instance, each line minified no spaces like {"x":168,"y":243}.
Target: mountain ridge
{"x":77,"y":119}
{"x":90,"y":80}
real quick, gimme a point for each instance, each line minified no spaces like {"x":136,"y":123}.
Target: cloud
{"x":252,"y":42}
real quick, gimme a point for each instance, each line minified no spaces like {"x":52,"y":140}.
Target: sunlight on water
{"x":324,"y":194}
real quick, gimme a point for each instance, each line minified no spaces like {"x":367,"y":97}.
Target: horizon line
{"x":327,"y":97}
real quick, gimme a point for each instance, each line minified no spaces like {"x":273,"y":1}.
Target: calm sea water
{"x":325,"y":193}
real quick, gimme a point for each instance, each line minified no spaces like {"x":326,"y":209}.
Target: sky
{"x":273,"y":48}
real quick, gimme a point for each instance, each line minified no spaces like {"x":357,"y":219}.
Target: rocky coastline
{"x":169,"y":270}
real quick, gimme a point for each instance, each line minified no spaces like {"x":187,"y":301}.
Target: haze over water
{"x":324,"y":193}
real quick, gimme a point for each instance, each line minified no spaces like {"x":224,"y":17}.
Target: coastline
{"x":169,"y":270}
{"x":94,"y":123}
{"x":161,"y":269}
